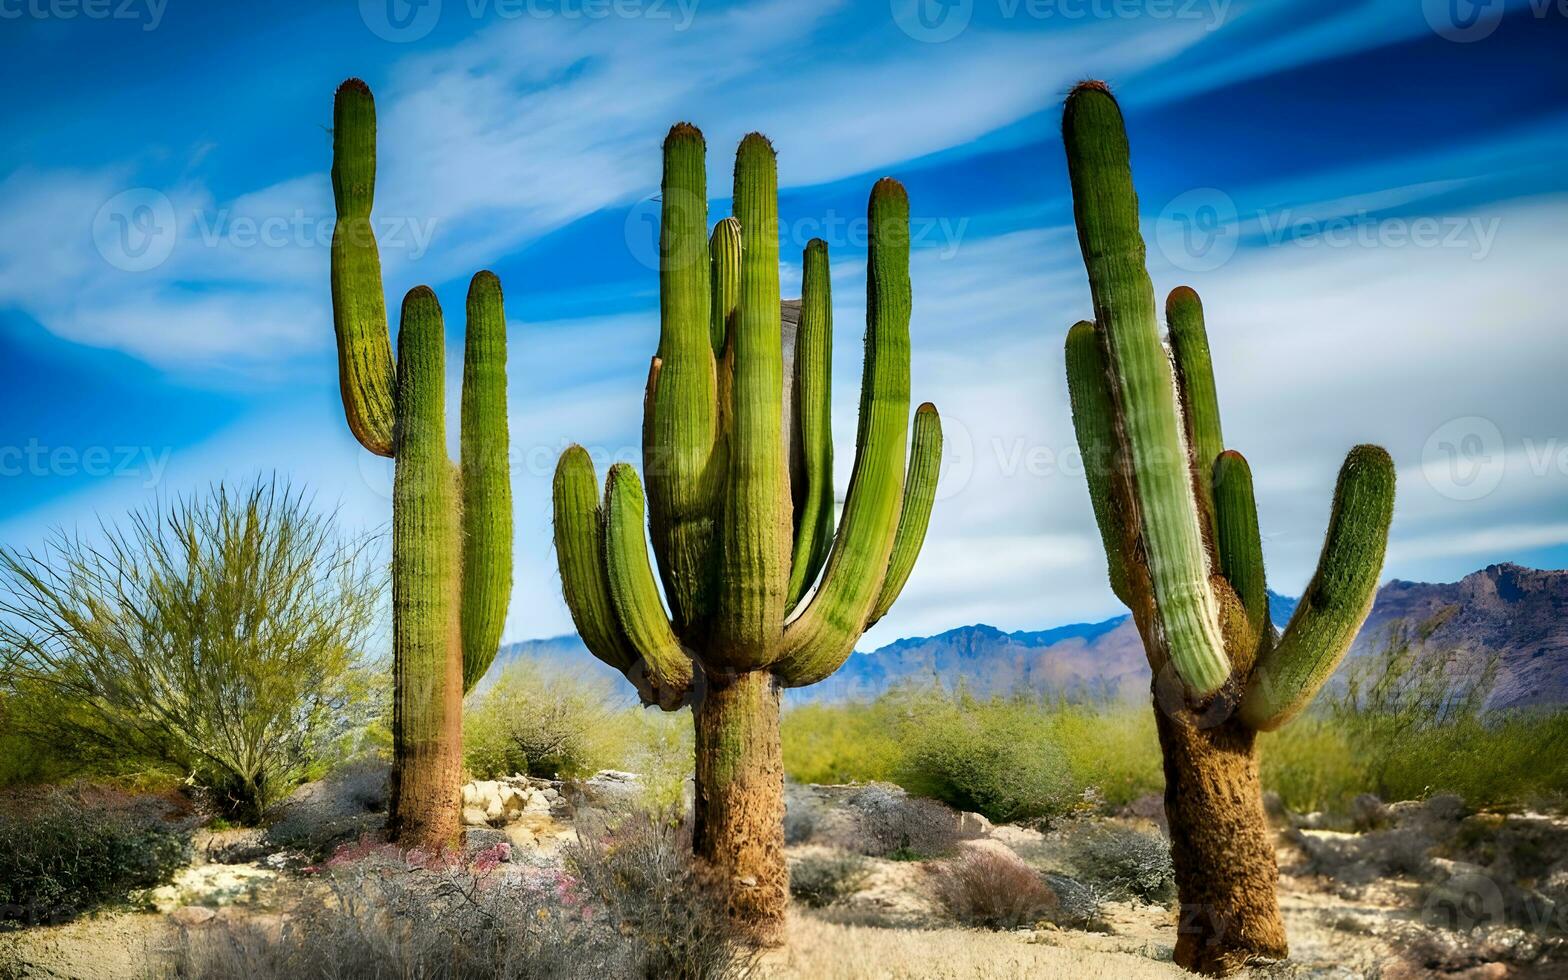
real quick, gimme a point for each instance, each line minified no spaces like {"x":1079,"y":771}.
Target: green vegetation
{"x":451,"y":524}
{"x":214,"y":639}
{"x":543,"y":721}
{"x":67,"y":851}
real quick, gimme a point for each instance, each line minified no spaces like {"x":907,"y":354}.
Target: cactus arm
{"x":824,"y":634}
{"x":365,"y":371}
{"x":486,"y":480}
{"x":724,"y":256}
{"x":662,"y":663}
{"x":1094,"y":423}
{"x":579,"y":552}
{"x":681,"y":424}
{"x":1200,"y":407}
{"x":813,"y":406}
{"x":1238,"y":544}
{"x":1143,"y":388}
{"x":426,"y":573}
{"x":914,"y":516}
{"x":1338,"y":599}
{"x":754,"y":532}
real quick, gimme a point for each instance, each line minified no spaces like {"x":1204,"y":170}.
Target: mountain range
{"x":1507,"y":612}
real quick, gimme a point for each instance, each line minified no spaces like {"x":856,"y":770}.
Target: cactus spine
{"x":737,"y":454}
{"x":451,"y":525}
{"x":1180,"y":529}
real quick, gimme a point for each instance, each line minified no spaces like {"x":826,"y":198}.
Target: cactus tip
{"x":1182,"y":294}
{"x":816,"y":245}
{"x":419,"y":294}
{"x":927,"y":408}
{"x":683,"y":131}
{"x":889,"y":188}
{"x":486,"y":279}
{"x":1089,"y":85}
{"x":754,"y":141}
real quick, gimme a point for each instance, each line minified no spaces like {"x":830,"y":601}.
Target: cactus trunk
{"x":1221,"y":846}
{"x":451,"y":526}
{"x":762,"y":592}
{"x":739,"y":826}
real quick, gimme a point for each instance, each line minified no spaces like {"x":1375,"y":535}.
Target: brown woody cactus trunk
{"x":1221,"y":846}
{"x":740,"y":798}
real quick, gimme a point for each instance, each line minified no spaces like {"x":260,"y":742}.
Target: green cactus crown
{"x":738,"y":454}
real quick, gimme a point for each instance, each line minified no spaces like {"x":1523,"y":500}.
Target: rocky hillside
{"x":1519,"y":615}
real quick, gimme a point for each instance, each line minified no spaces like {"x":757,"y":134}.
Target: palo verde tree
{"x":738,"y":457}
{"x":1180,"y":529}
{"x":215,"y":636}
{"x":451,"y":524}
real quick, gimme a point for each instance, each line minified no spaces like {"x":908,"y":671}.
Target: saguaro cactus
{"x":738,"y":456}
{"x":451,"y":525}
{"x":1180,"y":529}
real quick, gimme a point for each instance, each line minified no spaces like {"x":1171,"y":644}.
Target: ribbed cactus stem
{"x":426,"y":578}
{"x":1148,"y":416}
{"x":1094,"y":422}
{"x":1239,"y":544}
{"x":813,"y":406}
{"x":359,"y":314}
{"x":754,"y":527}
{"x":1200,"y":406}
{"x":487,"y":483}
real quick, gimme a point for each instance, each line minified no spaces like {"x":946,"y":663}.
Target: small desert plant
{"x":540,"y":721}
{"x":800,"y":822}
{"x":216,"y":636}
{"x":904,"y":828}
{"x":1123,"y":860}
{"x":661,"y":900}
{"x":66,"y":851}
{"x":822,"y":879}
{"x":993,"y":889}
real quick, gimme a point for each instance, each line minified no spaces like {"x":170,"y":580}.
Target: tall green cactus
{"x":1180,"y":529}
{"x":740,"y":499}
{"x":451,"y":526}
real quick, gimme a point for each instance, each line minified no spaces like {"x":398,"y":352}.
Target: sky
{"x":1368,"y":195}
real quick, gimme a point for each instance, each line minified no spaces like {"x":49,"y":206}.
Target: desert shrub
{"x":993,"y":889}
{"x":800,"y":821}
{"x":822,"y":879}
{"x":905,"y":828}
{"x":1080,"y":905}
{"x":66,"y":851}
{"x":843,"y":743}
{"x":993,"y":757}
{"x":629,"y":908}
{"x":1409,"y":721}
{"x":543,"y":721}
{"x":344,"y":805}
{"x":1123,"y":860}
{"x":216,"y":636}
{"x":1110,"y":748}
{"x":671,"y":915}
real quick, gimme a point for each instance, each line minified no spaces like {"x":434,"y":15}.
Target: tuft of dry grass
{"x":824,"y":951}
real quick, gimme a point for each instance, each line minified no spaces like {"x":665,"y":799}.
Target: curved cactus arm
{"x":579,"y":552}
{"x":1143,"y":388}
{"x":425,"y":556}
{"x":914,"y":516}
{"x":486,"y":479}
{"x":1200,"y":406}
{"x":813,"y":407}
{"x":1338,"y":599}
{"x":1239,"y":546}
{"x":359,"y":314}
{"x":817,"y":642}
{"x":1094,"y":423}
{"x":754,"y":533}
{"x":724,"y":248}
{"x":680,"y":419}
{"x":662,"y":668}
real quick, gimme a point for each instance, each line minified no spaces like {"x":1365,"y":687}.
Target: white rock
{"x":473,"y":816}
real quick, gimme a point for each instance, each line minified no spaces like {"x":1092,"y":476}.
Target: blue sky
{"x":1369,"y":196}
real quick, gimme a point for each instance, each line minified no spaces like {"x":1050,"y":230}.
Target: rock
{"x":974,"y":825}
{"x":212,"y":885}
{"x":473,"y":816}
{"x":1367,"y":812}
{"x":479,"y":839}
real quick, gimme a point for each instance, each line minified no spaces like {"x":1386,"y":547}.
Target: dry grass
{"x":822,"y":951}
